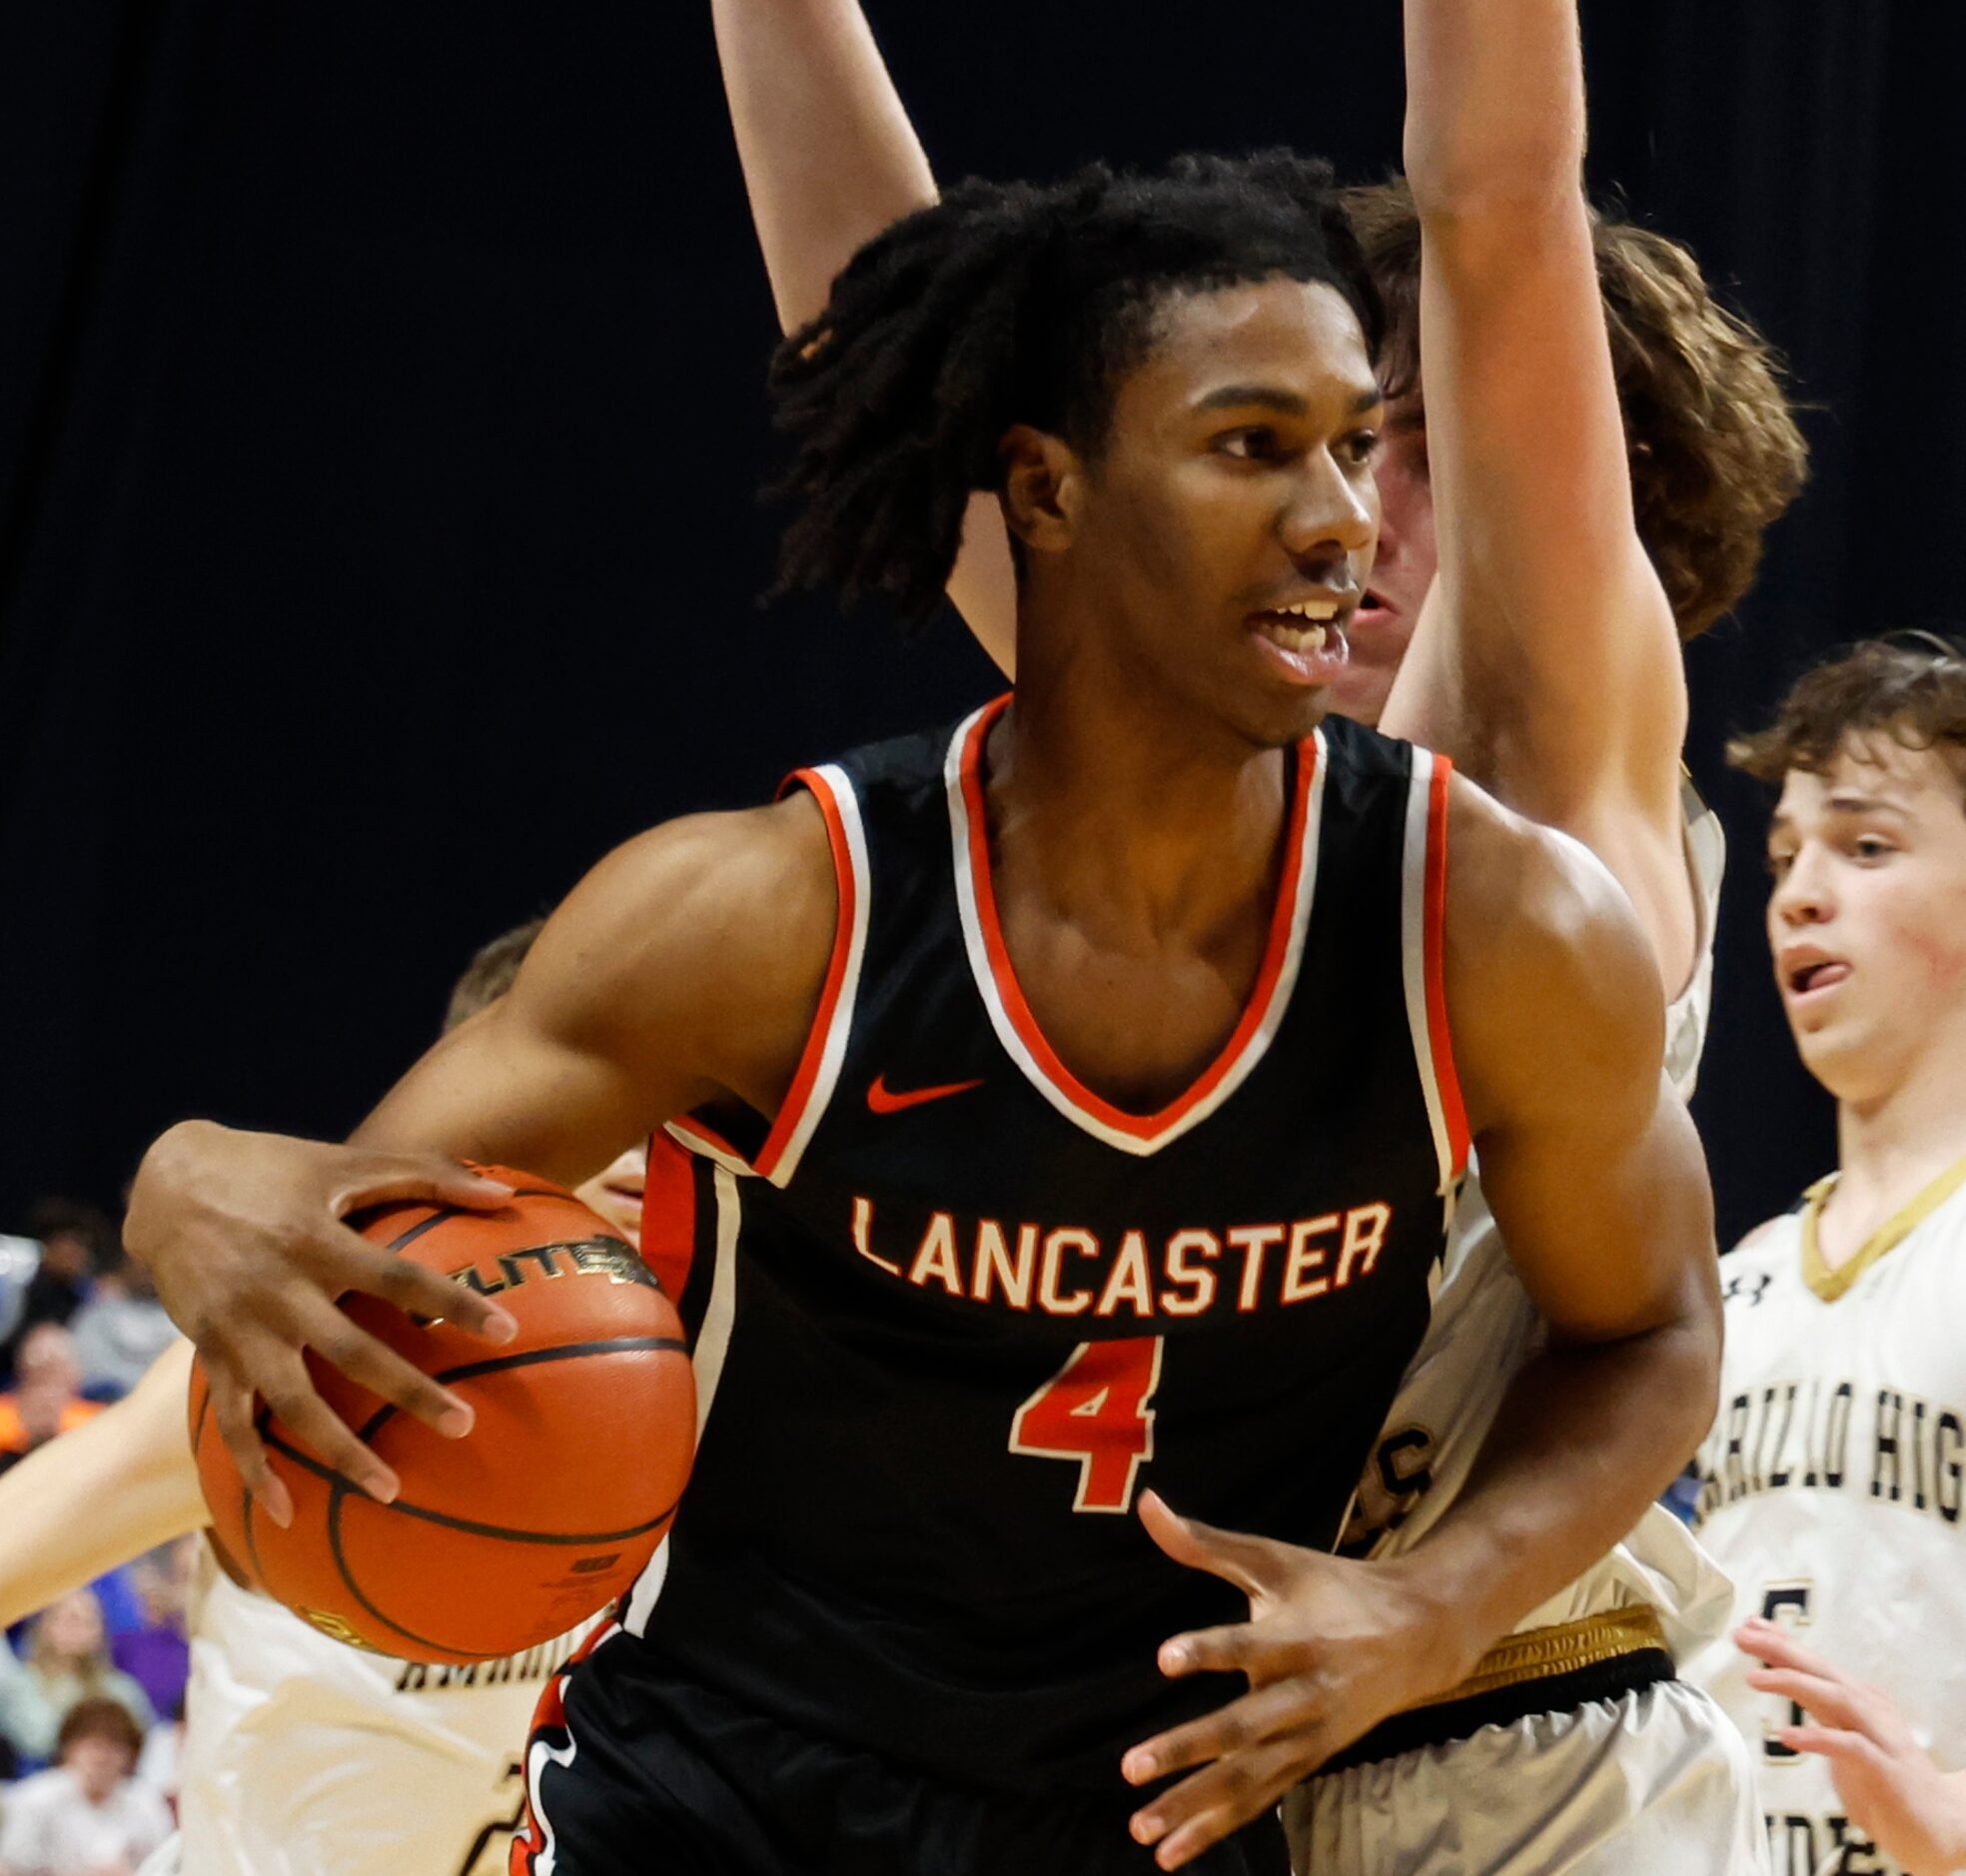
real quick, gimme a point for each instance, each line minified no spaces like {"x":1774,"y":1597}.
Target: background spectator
{"x":88,"y":1816}
{"x":154,"y":1652}
{"x":47,"y":1393}
{"x":120,"y":1330}
{"x":67,"y":1663}
{"x":76,"y":1240}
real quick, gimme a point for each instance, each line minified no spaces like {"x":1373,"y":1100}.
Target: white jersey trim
{"x":713,"y":1346}
{"x":1186,"y":1114}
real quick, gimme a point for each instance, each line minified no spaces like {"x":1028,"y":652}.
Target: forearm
{"x":829,"y":156}
{"x":1495,"y":103}
{"x":1586,"y":1437}
{"x":100,"y":1495}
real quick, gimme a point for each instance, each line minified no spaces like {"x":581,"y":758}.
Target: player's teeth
{"x":1310,"y":639}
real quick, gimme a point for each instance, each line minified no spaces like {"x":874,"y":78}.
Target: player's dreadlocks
{"x":1010,"y":303}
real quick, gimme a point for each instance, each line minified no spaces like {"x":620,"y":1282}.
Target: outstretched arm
{"x":830,"y":160}
{"x":1597,"y":1184}
{"x":1547,"y":660}
{"x":118,"y":1486}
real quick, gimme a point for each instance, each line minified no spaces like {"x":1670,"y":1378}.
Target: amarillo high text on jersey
{"x":952,"y":1311}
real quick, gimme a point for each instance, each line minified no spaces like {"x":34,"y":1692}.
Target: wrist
{"x":1452,"y":1637}
{"x":167,"y":1169}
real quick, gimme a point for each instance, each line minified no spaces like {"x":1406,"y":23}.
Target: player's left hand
{"x":1331,"y":1648}
{"x":1891,"y":1788}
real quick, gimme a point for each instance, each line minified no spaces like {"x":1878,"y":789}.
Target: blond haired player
{"x":302,"y":1756}
{"x":1832,"y":1487}
{"x":1522,"y":619}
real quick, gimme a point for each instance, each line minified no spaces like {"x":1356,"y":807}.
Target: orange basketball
{"x":553,"y":1503}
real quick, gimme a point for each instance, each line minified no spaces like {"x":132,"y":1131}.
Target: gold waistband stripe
{"x":1537,"y":1653}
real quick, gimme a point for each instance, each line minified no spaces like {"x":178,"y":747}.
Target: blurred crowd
{"x":92,"y":1687}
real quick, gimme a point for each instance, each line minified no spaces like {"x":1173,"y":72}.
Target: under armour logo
{"x":1753,"y":1288}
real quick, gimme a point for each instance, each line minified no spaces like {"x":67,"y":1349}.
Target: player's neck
{"x":1889,"y":1148}
{"x":1124,"y":826}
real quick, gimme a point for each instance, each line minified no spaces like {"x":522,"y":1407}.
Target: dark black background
{"x":380,"y":412}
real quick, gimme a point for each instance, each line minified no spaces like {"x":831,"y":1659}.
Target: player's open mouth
{"x":1306,"y":640}
{"x":1810,"y":974}
{"x":1373,"y":610}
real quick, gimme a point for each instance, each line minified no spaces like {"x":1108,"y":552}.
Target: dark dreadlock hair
{"x":1010,"y":303}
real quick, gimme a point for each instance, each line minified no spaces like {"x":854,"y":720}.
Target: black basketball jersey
{"x":953,"y":1311}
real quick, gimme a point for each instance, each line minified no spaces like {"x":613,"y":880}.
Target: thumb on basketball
{"x":1236,"y":1558}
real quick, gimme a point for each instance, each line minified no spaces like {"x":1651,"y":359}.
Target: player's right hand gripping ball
{"x":554,"y":1501}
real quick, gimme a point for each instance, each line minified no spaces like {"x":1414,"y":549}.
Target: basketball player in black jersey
{"x":1080,"y":1097}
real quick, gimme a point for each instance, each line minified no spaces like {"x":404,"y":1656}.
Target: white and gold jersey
{"x":306,"y":1757}
{"x":1830,"y":1489}
{"x":1484,"y":1329}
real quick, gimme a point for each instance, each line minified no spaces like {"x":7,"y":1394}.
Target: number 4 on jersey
{"x":1095,"y":1409}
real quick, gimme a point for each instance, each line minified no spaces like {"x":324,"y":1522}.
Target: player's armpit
{"x":118,"y":1486}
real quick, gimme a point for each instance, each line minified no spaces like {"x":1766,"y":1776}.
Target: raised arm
{"x":1597,"y":1184}
{"x":683,"y":971}
{"x":830,"y":160}
{"x":118,"y":1486}
{"x":1547,"y":660}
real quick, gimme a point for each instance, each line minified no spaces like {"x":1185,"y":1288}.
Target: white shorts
{"x":166,"y":1860}
{"x":1653,"y":1783}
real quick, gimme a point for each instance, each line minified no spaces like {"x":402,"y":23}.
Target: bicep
{"x":1587,"y":1157}
{"x":1606,"y":1216}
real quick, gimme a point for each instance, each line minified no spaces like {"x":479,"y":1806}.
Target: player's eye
{"x":1258,"y":443}
{"x":1778,"y":864}
{"x":1360,"y":448}
{"x":1871,"y":848}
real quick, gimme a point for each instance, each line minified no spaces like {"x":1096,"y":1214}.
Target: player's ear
{"x":1043,"y":488}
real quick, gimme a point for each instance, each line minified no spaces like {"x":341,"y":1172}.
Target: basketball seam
{"x":531,"y":1357}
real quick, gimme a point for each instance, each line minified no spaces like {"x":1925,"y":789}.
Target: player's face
{"x":616,"y":1193}
{"x":1867,"y":920}
{"x":1403,"y":571}
{"x":1228,"y":525}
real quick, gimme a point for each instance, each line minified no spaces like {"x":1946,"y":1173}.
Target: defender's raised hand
{"x":246,"y":1237}
{"x":1331,"y":1648}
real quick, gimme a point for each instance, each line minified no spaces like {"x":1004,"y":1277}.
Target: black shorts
{"x":632,"y":1770}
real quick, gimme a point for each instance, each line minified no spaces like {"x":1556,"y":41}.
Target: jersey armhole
{"x":825,"y":1042}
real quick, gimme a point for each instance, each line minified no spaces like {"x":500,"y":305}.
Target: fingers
{"x":1773,"y":1644}
{"x":1245,"y":1561}
{"x":353,"y":1263}
{"x":284,"y":1385}
{"x":232,"y":1409}
{"x":1833,"y":1742}
{"x":386,"y":1179}
{"x":374,"y":1364}
{"x":1833,"y":1703}
{"x":1236,"y":1647}
{"x":1240,"y":1724}
{"x":1210,"y":1805}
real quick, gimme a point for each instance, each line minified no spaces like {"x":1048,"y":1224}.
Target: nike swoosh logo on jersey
{"x":883,"y":1100}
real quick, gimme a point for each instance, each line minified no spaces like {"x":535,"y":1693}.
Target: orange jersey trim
{"x":1282,"y":918}
{"x":800,"y":1092}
